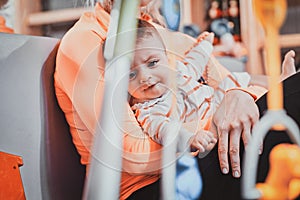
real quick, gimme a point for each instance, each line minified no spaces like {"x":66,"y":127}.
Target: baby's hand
{"x":288,"y":66}
{"x":203,"y":141}
{"x":208,"y":36}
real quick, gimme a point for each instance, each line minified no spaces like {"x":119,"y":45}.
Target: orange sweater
{"x":79,"y":89}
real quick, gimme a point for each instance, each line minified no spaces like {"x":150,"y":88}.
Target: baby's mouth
{"x":148,"y":86}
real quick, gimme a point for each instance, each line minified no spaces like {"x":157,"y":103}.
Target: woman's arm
{"x":79,"y":86}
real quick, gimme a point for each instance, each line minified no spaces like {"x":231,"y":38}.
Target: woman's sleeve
{"x":79,"y":85}
{"x":79,"y":78}
{"x":80,"y":73}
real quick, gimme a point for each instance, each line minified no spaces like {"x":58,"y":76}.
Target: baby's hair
{"x":145,"y":30}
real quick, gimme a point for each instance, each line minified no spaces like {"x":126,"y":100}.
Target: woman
{"x":79,"y":81}
{"x":79,"y":90}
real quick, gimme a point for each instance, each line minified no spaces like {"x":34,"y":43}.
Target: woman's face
{"x":3,"y":2}
{"x":110,"y":2}
{"x":149,"y":74}
{"x":145,"y":2}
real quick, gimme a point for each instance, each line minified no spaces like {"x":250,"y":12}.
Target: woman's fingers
{"x":246,"y":134}
{"x":234,"y":120}
{"x":229,"y":144}
{"x":223,"y":149}
{"x":234,"y":151}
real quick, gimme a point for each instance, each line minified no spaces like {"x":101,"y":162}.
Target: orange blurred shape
{"x":283,"y":180}
{"x":11,"y":187}
{"x":3,"y":27}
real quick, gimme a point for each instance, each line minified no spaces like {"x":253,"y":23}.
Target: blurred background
{"x":239,"y":41}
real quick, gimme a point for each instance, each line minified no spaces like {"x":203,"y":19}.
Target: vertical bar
{"x":104,"y":173}
{"x":171,"y":11}
{"x":169,"y":159}
{"x":275,"y":94}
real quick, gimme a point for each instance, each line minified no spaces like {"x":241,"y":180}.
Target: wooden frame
{"x":29,"y":19}
{"x":55,"y":16}
{"x":23,"y":9}
{"x":252,"y":37}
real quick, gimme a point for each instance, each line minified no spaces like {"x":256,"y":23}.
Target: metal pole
{"x":260,"y":130}
{"x":271,"y":14}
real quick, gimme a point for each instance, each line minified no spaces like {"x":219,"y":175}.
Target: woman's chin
{"x":144,"y":2}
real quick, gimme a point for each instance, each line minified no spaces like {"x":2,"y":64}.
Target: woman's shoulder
{"x":91,"y":27}
{"x":86,"y":28}
{"x":86,"y":35}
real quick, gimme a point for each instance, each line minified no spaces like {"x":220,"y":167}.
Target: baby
{"x":151,"y":95}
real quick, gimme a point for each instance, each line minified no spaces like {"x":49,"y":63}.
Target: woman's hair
{"x":107,"y":5}
{"x":2,"y":3}
{"x":152,"y":9}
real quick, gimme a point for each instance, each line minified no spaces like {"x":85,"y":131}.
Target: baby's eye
{"x":152,"y":63}
{"x":132,"y":75}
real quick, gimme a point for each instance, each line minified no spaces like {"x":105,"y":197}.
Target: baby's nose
{"x":145,"y":76}
{"x":145,"y":79}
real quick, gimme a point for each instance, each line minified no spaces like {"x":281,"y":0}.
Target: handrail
{"x":55,"y":16}
{"x":72,"y":14}
{"x":289,"y":40}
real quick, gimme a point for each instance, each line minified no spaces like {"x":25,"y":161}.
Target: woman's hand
{"x":234,"y":120}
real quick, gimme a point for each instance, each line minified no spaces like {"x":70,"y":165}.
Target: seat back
{"x":63,"y":172}
{"x":32,"y":125}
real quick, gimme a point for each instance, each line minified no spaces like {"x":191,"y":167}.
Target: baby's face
{"x":149,"y":74}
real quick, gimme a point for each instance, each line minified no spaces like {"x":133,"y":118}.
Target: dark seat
{"x":60,"y":162}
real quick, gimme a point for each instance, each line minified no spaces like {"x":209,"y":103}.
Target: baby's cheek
{"x":132,"y":88}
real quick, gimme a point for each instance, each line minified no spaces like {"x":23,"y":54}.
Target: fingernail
{"x":236,"y":174}
{"x":224,"y":170}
